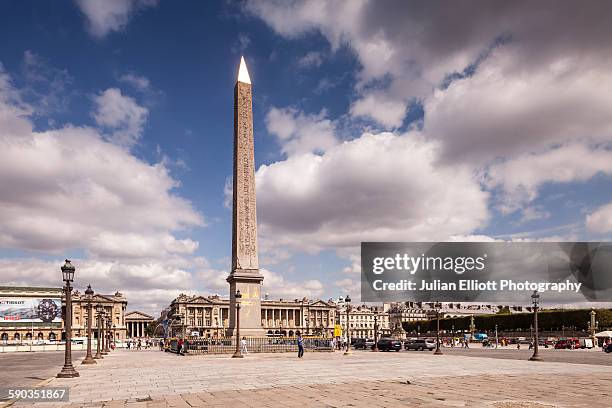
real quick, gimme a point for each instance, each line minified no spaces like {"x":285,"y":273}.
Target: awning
{"x":604,"y":334}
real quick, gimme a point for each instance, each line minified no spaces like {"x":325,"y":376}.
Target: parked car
{"x":608,"y":348}
{"x":567,"y":344}
{"x":419,"y":344}
{"x":363,"y":344}
{"x":386,"y":344}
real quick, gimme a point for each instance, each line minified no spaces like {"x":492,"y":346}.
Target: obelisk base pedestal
{"x":248,"y":282}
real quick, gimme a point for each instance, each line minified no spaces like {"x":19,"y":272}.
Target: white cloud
{"x":298,"y":133}
{"x":388,"y":112}
{"x":414,"y":47}
{"x":46,"y":87}
{"x":378,"y":187}
{"x":355,"y":267}
{"x":105,"y":16}
{"x":276,"y":286}
{"x":121,"y":115}
{"x":310,"y":59}
{"x":520,"y":177}
{"x":600,"y":220}
{"x":506,"y":109}
{"x":349,"y":287}
{"x":137,"y":81}
{"x":68,"y":189}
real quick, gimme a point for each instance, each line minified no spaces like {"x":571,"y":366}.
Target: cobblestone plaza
{"x":364,"y":379}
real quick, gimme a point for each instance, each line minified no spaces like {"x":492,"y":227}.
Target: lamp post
{"x":103,"y":324}
{"x":375,"y":348}
{"x":108,"y":334}
{"x":99,"y":329}
{"x":183,"y":320}
{"x":238,"y":353}
{"x":89,"y":294}
{"x":438,"y":307}
{"x":593,"y":326}
{"x":68,"y":370}
{"x":347,"y":300}
{"x":114,"y":335}
{"x":496,"y":338}
{"x":535,"y":298}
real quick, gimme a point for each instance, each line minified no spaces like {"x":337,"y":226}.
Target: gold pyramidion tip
{"x":243,"y":73}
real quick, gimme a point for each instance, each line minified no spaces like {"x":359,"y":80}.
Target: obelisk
{"x":244,"y":275}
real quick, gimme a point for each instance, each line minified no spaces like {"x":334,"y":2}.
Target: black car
{"x":389,"y":344}
{"x":419,"y":344}
{"x":608,"y":348}
{"x":363,"y":344}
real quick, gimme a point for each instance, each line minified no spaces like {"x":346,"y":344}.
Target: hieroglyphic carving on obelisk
{"x":244,"y":234}
{"x":245,"y":274}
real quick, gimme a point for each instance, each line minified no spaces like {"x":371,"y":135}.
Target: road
{"x":26,"y":369}
{"x":554,"y":356}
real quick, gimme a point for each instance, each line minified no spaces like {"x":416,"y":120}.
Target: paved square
{"x":365,"y":379}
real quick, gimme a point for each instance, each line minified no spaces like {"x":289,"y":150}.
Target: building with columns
{"x":208,"y":316}
{"x":137,"y":322}
{"x":114,"y":307}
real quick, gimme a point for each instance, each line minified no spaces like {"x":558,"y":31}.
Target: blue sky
{"x":371,"y":123}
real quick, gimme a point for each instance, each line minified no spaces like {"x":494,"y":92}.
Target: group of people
{"x":138,"y":344}
{"x":339,"y":343}
{"x":460,"y":342}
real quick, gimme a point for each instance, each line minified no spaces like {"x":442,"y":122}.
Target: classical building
{"x":208,"y":316}
{"x":29,"y":312}
{"x":114,"y":307}
{"x":362,"y":320}
{"x":137,"y":322}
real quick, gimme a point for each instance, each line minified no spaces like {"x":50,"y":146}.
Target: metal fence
{"x":227,"y":345}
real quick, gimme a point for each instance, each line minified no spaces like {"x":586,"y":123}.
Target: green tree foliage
{"x":547,"y":320}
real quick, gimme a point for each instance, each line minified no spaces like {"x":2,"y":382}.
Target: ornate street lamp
{"x":183,"y":320}
{"x":593,"y":326}
{"x":104,"y":339}
{"x":535,"y":297}
{"x":99,"y":329}
{"x":68,"y":370}
{"x":114,"y":334}
{"x":238,"y":353}
{"x":108,"y":334}
{"x":375,"y":348}
{"x":88,"y":295}
{"x":347,"y":300}
{"x":496,"y":338}
{"x":438,"y":306}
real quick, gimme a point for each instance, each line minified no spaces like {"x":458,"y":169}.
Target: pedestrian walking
{"x":243,"y":345}
{"x":300,"y":343}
